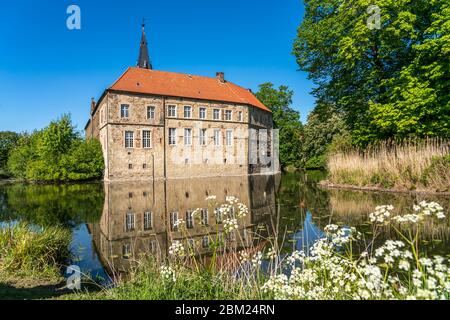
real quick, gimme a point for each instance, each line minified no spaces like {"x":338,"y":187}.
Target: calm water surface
{"x":113,"y":222}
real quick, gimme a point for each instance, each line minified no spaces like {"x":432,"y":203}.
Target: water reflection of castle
{"x":138,"y":217}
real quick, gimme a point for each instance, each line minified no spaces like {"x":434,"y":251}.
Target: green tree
{"x":57,"y":139}
{"x":391,"y":82}
{"x":57,"y":153}
{"x":325,"y":132}
{"x":21,"y":156}
{"x":8,"y":140}
{"x":85,"y":161}
{"x":286,"y":119}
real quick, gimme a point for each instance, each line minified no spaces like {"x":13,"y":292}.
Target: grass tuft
{"x":33,"y":251}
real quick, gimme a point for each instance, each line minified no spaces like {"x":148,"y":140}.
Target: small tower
{"x":144,"y":59}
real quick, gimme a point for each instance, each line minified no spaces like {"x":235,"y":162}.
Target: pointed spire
{"x":144,"y":59}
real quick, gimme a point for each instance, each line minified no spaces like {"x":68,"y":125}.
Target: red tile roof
{"x":183,"y":85}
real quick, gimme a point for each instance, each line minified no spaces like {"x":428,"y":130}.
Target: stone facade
{"x":226,"y":146}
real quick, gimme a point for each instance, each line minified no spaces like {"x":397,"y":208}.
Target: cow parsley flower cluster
{"x":242,"y":210}
{"x":326,"y":273}
{"x":177,"y":249}
{"x":381,"y":214}
{"x":232,"y":200}
{"x":168,"y":273}
{"x":392,"y":251}
{"x":257,"y":259}
{"x":178,"y":223}
{"x":271,"y":254}
{"x":230,"y":224}
{"x":244,"y":256}
{"x":226,"y":209}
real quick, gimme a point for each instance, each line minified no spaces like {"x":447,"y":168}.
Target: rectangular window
{"x":205,"y":242}
{"x":202,"y":137}
{"x":172,"y":136}
{"x":174,"y":221}
{"x":187,"y":137}
{"x":218,"y":216}
{"x":229,"y":137}
{"x":148,"y":221}
{"x":150,"y":112}
{"x":241,"y":116}
{"x":147,"y":139}
{"x":172,"y":111}
{"x":126,"y":251}
{"x":228,"y":115}
{"x":130,"y":166}
{"x":124,"y":111}
{"x":204,"y":216}
{"x":202,"y":113}
{"x":129,"y":139}
{"x":187,"y":111}
{"x":216,"y":114}
{"x":217,"y":137}
{"x":129,"y":222}
{"x":189,"y":220}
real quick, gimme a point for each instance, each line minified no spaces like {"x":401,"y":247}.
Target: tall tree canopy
{"x":387,"y":82}
{"x":8,"y":140}
{"x":286,"y":119}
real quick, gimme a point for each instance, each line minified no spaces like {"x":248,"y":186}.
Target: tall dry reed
{"x":407,"y":165}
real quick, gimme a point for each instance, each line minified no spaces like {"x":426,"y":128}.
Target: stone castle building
{"x":161,"y":125}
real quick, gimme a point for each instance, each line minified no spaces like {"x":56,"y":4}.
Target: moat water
{"x":112,"y":223}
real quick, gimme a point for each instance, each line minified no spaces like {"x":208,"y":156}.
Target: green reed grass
{"x":33,"y":251}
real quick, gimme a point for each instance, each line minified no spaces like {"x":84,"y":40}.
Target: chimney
{"x":221,"y":76}
{"x":93,"y":104}
{"x":250,"y":90}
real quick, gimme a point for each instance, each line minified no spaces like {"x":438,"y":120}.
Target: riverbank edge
{"x":330,"y":185}
{"x":22,"y":287}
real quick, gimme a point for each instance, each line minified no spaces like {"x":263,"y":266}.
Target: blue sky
{"x":47,"y":70}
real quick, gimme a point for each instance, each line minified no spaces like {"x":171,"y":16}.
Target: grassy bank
{"x":413,"y":165}
{"x":31,"y":259}
{"x":154,"y":281}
